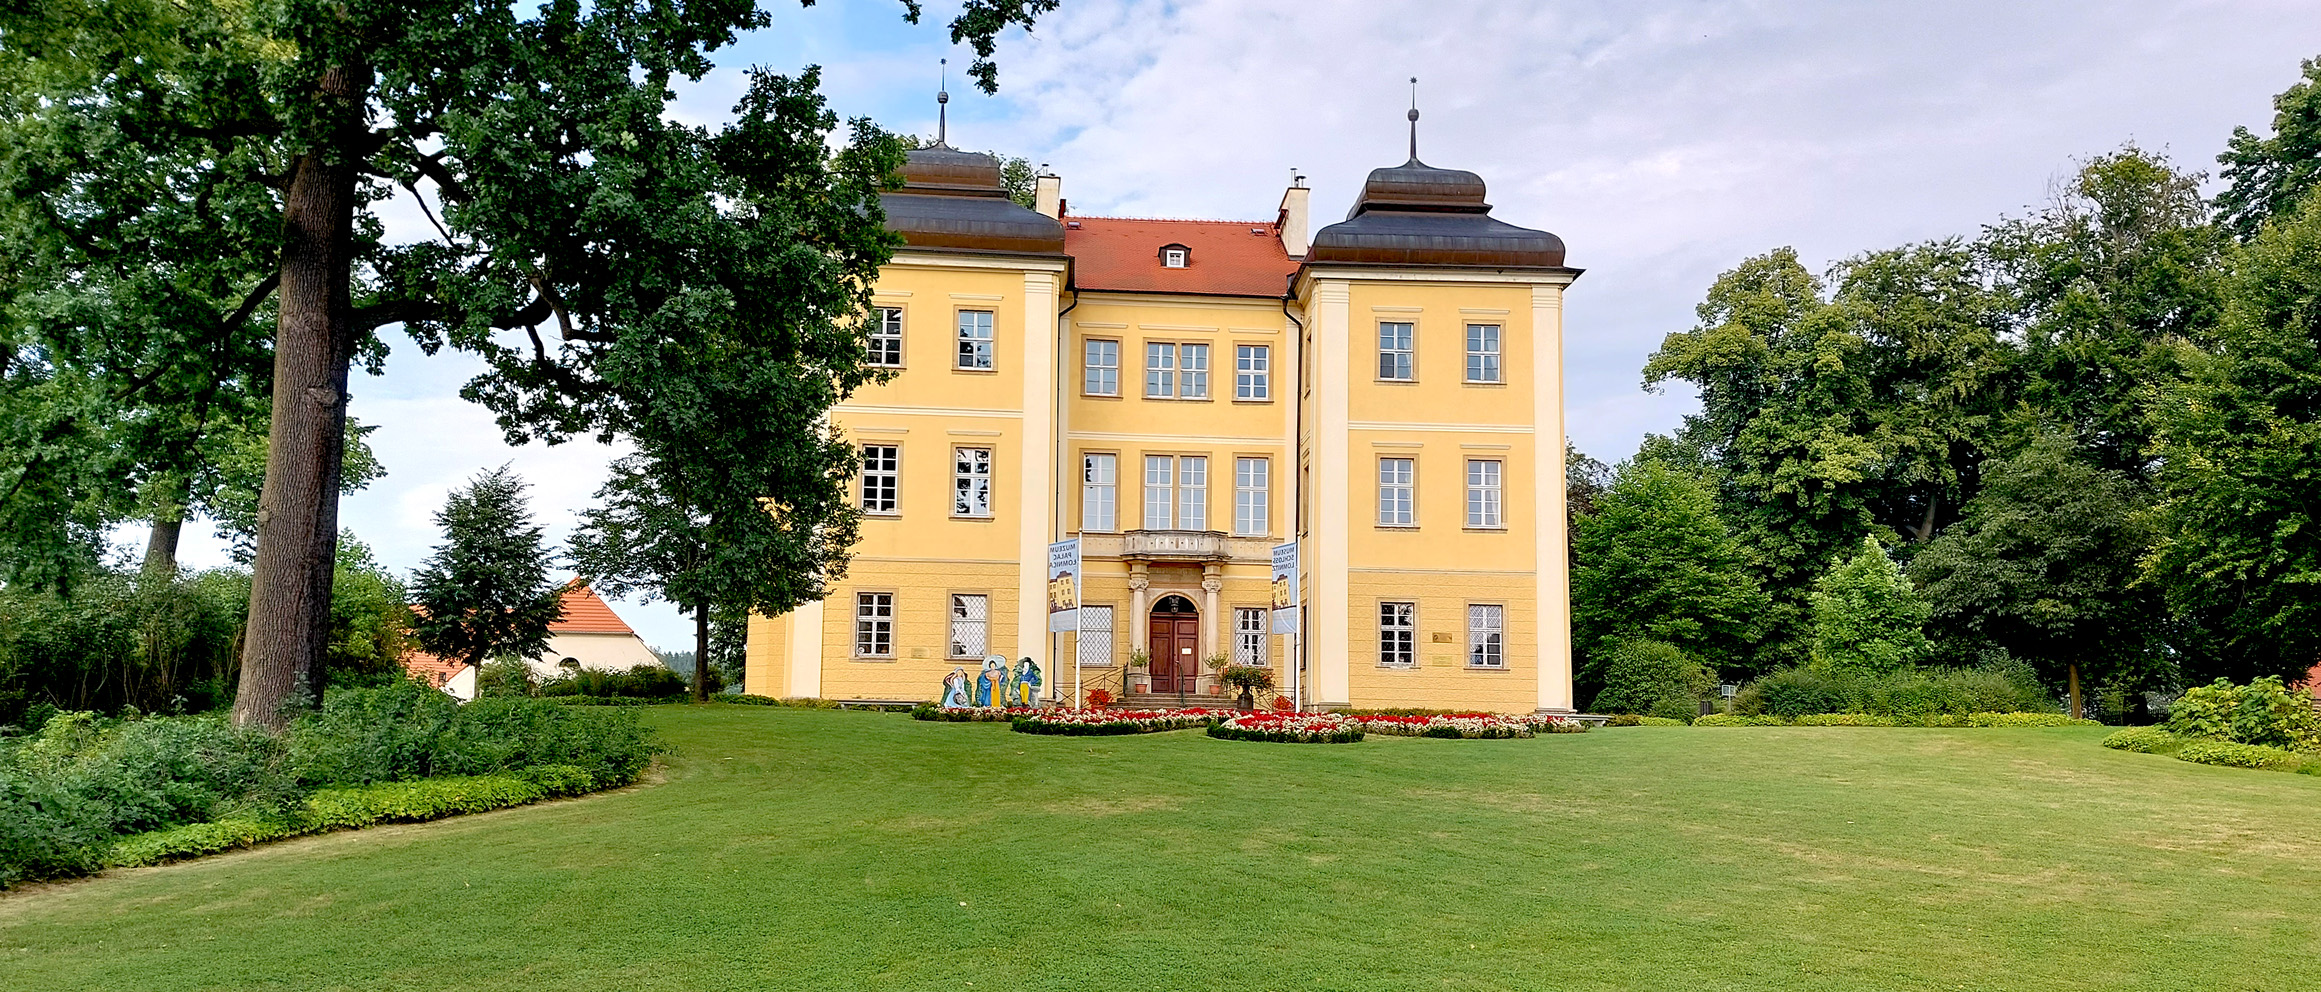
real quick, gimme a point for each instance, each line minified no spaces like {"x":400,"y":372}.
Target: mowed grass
{"x":822,"y":850}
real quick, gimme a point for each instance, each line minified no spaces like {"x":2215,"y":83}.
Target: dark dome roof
{"x":1416,"y":214}
{"x":954,"y":200}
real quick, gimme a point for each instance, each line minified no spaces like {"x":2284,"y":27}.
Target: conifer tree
{"x":486,"y":593}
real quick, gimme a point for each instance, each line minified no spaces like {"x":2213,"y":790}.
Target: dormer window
{"x":1175,"y":256}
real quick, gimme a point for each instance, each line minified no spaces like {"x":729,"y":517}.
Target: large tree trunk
{"x":161,"y":547}
{"x":289,"y":625}
{"x":701,"y":653}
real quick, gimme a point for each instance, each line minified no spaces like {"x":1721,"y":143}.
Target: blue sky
{"x":1663,"y":140}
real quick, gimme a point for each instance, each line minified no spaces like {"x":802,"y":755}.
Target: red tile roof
{"x":585,"y":613}
{"x":429,"y":668}
{"x":1228,"y":257}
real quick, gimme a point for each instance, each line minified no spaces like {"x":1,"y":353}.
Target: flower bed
{"x":1110,"y":722}
{"x":971,"y":714}
{"x":1288,"y":728}
{"x":1459,"y":726}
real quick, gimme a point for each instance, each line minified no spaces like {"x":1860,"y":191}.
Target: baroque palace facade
{"x":1183,"y":396}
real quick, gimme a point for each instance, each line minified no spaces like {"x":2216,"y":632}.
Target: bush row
{"x":1912,"y":694}
{"x":2209,"y":751}
{"x":1874,"y":720}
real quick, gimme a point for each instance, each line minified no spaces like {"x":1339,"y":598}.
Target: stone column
{"x":1139,"y":628}
{"x":1212,"y":582}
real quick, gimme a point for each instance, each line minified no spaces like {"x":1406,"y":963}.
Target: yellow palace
{"x":1183,"y":396}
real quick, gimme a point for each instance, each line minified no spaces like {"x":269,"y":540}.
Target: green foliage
{"x":506,"y":678}
{"x":1911,"y":694}
{"x":2240,"y":442}
{"x":2263,"y":712}
{"x":2233,"y":755}
{"x":2145,"y":740}
{"x":485,"y":593}
{"x":1739,"y":720}
{"x":1654,"y":562}
{"x":120,"y":639}
{"x":1867,"y":618}
{"x":2268,"y":177}
{"x":641,"y":681}
{"x":193,"y":840}
{"x":1653,"y":678}
{"x":407,"y":730}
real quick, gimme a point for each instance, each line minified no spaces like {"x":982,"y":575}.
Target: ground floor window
{"x":1095,"y":649}
{"x":1398,"y":634}
{"x":1249,"y":636}
{"x":970,"y":622}
{"x":1486,"y":636}
{"x":874,"y":624}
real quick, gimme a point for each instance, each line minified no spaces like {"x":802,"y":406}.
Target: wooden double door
{"x":1173,"y":639}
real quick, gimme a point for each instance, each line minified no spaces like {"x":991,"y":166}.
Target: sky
{"x":1664,"y":141}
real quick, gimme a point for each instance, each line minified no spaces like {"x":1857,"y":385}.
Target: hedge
{"x":1870,"y":720}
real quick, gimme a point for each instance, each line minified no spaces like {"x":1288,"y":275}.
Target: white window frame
{"x":1250,"y":628}
{"x":1175,"y":258}
{"x":1192,"y":492}
{"x":1397,"y":492}
{"x":1099,"y":491}
{"x":971,"y":481}
{"x":882,"y":480}
{"x":1160,"y":370}
{"x":1192,"y":371}
{"x":1486,"y":493}
{"x":970,"y":625}
{"x":874,"y":625}
{"x":1397,"y":634}
{"x":1252,"y":496}
{"x":976,"y":335}
{"x":886,"y":339}
{"x":1486,"y":635}
{"x":1100,"y":374}
{"x":1485,"y":356}
{"x":1160,"y":491}
{"x":1398,"y":351}
{"x":1252,"y":372}
{"x":1094,"y":647}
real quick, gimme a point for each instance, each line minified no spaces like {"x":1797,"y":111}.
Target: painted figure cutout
{"x":1027,"y":683}
{"x":987,"y":682}
{"x":955,"y":690}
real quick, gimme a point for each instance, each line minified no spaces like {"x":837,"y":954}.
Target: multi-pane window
{"x":1095,"y":647}
{"x":1160,"y":471}
{"x":1103,"y":368}
{"x":886,"y":338}
{"x":1249,"y":630}
{"x":882,"y":478}
{"x":1485,"y":497}
{"x":1174,"y":258}
{"x":1398,"y":634}
{"x":1176,"y":371}
{"x":1483,"y":353}
{"x":971,"y":482}
{"x":1252,"y":372}
{"x":1395,"y":355}
{"x":874,"y":624}
{"x":975,"y":339}
{"x":1160,"y":369}
{"x":1252,"y":496}
{"x":1193,"y":493}
{"x":1397,"y":492}
{"x":1099,"y":489}
{"x":970,"y":623}
{"x":1193,"y":372}
{"x":1486,"y":636}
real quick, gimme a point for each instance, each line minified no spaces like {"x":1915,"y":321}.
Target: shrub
{"x":1843,"y":720}
{"x":2263,"y":712}
{"x":505,"y":677}
{"x":2027,"y":720}
{"x":2145,"y":740}
{"x":641,"y":681}
{"x":196,"y":839}
{"x":1652,"y":677}
{"x":1794,"y":692}
{"x":1738,"y":720}
{"x":1867,"y":618}
{"x":1911,"y":696}
{"x":414,"y":802}
{"x":2233,"y":755}
{"x":408,"y":731}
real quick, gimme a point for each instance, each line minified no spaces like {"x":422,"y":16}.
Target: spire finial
{"x":1413,"y":118}
{"x":942,"y":102}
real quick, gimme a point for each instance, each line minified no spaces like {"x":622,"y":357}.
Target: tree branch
{"x":250,"y":303}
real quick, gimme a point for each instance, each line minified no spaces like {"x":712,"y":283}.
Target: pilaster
{"x":1035,"y":460}
{"x":1327,"y":551}
{"x":1554,"y":561}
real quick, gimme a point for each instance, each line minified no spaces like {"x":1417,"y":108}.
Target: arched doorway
{"x":1173,"y":638}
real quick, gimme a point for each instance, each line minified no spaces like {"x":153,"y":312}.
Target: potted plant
{"x":1140,"y":670}
{"x":1251,"y":680}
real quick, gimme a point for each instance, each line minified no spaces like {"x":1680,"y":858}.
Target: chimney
{"x":1047,"y":195}
{"x":1292,"y":219}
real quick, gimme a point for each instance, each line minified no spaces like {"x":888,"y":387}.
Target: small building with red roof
{"x":591,"y":635}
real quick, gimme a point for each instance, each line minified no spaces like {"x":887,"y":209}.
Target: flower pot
{"x":1247,"y":702}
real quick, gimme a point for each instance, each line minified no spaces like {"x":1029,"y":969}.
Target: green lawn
{"x":803,"y":850}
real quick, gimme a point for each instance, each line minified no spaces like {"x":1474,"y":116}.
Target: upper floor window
{"x":1175,"y":256}
{"x":1176,"y":492}
{"x":881,"y":478}
{"x":975,"y":339}
{"x":1252,"y":496}
{"x":1099,"y":488}
{"x":1395,"y":353}
{"x":1176,"y":371}
{"x":1103,"y":368}
{"x":1483,"y":353}
{"x":1397,"y":492}
{"x":1486,"y":499}
{"x":886,"y":339}
{"x":971,"y":482}
{"x":1252,"y":372}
